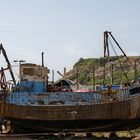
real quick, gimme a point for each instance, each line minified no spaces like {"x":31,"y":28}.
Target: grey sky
{"x":67,"y":29}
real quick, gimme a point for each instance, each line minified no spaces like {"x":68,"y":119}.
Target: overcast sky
{"x":66,"y":30}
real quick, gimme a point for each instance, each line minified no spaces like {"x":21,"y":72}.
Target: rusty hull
{"x":115,"y":115}
{"x":123,"y":109}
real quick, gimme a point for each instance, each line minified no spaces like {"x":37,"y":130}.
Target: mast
{"x":107,"y":56}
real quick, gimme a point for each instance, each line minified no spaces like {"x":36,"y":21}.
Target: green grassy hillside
{"x":86,"y":68}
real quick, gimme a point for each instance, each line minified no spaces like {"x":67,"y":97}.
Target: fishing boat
{"x":30,"y":106}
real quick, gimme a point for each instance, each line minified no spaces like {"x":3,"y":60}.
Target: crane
{"x":9,"y":67}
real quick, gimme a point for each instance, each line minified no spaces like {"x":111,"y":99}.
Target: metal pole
{"x":19,"y":61}
{"x":64,"y":76}
{"x":106,"y":53}
{"x":8,"y":62}
{"x":118,"y":45}
{"x":104,"y":57}
{"x":42,"y":59}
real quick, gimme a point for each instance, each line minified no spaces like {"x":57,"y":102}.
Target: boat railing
{"x":67,"y":98}
{"x":115,"y":95}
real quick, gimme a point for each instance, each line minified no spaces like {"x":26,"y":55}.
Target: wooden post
{"x":77,"y":73}
{"x":112,"y":78}
{"x":93,"y":74}
{"x":53,"y":76}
